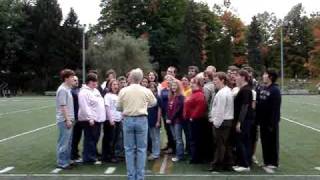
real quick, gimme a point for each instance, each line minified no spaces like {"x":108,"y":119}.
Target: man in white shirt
{"x":221,"y":116}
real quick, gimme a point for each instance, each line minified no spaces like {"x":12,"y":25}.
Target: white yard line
{"x":110,"y":170}
{"x":164,"y":165}
{"x":303,"y":125}
{"x":25,"y":110}
{"x":56,"y":171}
{"x":156,"y":175}
{"x":28,"y":132}
{"x":311,"y":104}
{"x":7,"y":169}
{"x":317,"y":168}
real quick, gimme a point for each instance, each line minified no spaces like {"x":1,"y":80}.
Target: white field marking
{"x":317,"y":168}
{"x":157,"y":175}
{"x":110,"y":170}
{"x":306,"y":126}
{"x":25,"y":133}
{"x":56,"y":171}
{"x":304,"y":103}
{"x":25,"y":110}
{"x":164,"y":165}
{"x":7,"y":169}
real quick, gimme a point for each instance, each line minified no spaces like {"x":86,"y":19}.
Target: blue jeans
{"x":155,"y":139}
{"x":177,"y":135}
{"x":64,"y":145}
{"x":135,"y":134}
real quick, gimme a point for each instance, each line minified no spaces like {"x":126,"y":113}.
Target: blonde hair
{"x":179,"y":90}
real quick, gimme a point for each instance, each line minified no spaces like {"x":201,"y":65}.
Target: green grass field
{"x":28,"y":140}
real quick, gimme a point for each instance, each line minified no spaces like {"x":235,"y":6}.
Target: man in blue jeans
{"x":134,"y":101}
{"x":65,"y":118}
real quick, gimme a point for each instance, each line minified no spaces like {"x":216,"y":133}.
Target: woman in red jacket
{"x":195,"y":109}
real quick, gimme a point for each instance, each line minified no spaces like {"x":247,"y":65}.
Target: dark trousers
{"x":223,"y":150}
{"x":208,"y":141}
{"x":243,"y":145}
{"x":111,"y":140}
{"x":171,"y":143}
{"x":270,"y":144}
{"x":186,"y":129}
{"x":90,"y":140}
{"x":197,"y":140}
{"x":76,"y":137}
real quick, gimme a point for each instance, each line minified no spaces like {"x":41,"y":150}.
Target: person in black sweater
{"x":243,"y":115}
{"x":268,"y":114}
{"x":77,"y":129}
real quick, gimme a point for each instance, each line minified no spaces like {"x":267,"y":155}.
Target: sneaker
{"x":175,"y":159}
{"x":235,"y":167}
{"x":268,"y":170}
{"x":152,"y":158}
{"x":77,"y":161}
{"x":272,"y":167}
{"x":241,"y":169}
{"x":97,"y":163}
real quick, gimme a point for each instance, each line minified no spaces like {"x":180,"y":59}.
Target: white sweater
{"x":222,"y":107}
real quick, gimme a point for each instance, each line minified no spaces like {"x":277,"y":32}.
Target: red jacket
{"x":195,"y":106}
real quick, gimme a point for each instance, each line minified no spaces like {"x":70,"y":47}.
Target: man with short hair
{"x":134,"y":101}
{"x":192,"y":71}
{"x":77,"y":129}
{"x":268,"y":114}
{"x":65,"y":118}
{"x":222,"y":120}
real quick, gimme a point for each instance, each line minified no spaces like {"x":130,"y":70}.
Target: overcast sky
{"x":89,"y":10}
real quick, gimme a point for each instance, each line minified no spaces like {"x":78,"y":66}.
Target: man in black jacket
{"x":77,"y":129}
{"x":268,"y":114}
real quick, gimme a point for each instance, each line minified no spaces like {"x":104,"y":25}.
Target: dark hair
{"x":187,"y":77}
{"x":248,"y":68}
{"x":244,"y":74}
{"x":233,"y":68}
{"x":272,"y":74}
{"x":121,"y":78}
{"x":222,"y":77}
{"x":91,"y":77}
{"x":193,"y":68}
{"x":153,"y":84}
{"x":155,"y":75}
{"x":110,"y":71}
{"x":66,"y":73}
{"x":93,"y":71}
{"x":110,"y":85}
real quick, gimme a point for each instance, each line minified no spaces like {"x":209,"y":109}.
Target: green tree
{"x":72,"y":41}
{"x":254,"y":42}
{"x":126,"y":15}
{"x":298,"y":41}
{"x":47,"y":52}
{"x":118,"y":51}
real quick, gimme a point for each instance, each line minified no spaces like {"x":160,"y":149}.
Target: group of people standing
{"x":211,"y":117}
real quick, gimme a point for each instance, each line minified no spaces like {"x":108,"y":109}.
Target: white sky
{"x":89,"y":10}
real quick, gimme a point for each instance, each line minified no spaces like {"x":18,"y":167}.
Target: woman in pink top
{"x":91,"y":115}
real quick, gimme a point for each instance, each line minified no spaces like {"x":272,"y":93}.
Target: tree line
{"x":36,"y":42}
